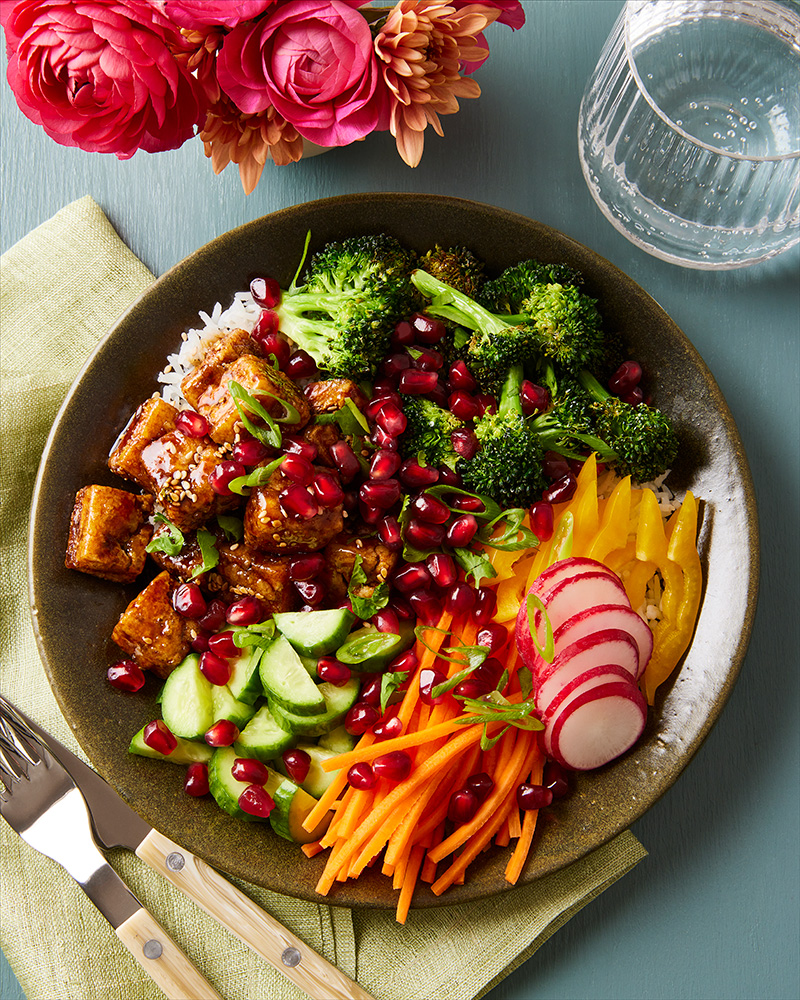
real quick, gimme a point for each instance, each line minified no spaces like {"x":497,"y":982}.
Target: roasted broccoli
{"x":427,"y":435}
{"x":505,"y":294}
{"x":457,"y":267}
{"x":567,"y":427}
{"x":354,"y":293}
{"x":508,"y":466}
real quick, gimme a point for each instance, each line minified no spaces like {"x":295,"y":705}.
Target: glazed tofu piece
{"x":269,"y":528}
{"x":263,"y":382}
{"x":377,"y":562}
{"x":182,"y":564}
{"x":154,"y":418}
{"x":109,"y":532}
{"x":220,"y":353}
{"x":151,"y":631}
{"x":243,"y":571}
{"x":330,"y":395}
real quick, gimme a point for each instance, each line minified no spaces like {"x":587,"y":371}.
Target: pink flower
{"x":228,"y":13}
{"x":314,"y":62}
{"x":511,"y":13}
{"x":100,"y":74}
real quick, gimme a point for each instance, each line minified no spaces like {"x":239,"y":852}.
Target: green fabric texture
{"x":63,"y":286}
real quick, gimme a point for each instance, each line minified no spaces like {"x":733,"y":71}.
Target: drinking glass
{"x":689,"y":129}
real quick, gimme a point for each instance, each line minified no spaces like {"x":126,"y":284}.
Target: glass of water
{"x":689,"y":130}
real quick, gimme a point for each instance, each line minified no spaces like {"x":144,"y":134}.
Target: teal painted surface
{"x":712,"y":914}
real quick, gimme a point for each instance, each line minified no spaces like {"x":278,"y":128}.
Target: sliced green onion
{"x":534,"y":603}
{"x":257,"y":477}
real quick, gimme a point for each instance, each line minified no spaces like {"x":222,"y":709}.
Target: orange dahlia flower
{"x":422,"y":47}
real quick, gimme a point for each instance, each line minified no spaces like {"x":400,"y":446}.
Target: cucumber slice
{"x":225,"y":706}
{"x":226,"y":789}
{"x":186,"y":701}
{"x":317,"y":780}
{"x":310,"y":663}
{"x":338,"y":701}
{"x":338,"y":740}
{"x":372,"y":651}
{"x":315,"y":633}
{"x":245,"y":683}
{"x":286,"y":680}
{"x":262,"y":737}
{"x":292,"y":805}
{"x":186,"y":752}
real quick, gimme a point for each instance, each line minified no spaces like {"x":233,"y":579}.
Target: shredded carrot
{"x":313,"y":849}
{"x":410,"y":877}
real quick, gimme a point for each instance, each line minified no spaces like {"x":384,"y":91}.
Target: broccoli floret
{"x":642,"y":438}
{"x":457,"y":267}
{"x":427,"y":434}
{"x":567,"y":325}
{"x":508,"y":466}
{"x":568,"y":425}
{"x":354,"y":293}
{"x":506,"y":293}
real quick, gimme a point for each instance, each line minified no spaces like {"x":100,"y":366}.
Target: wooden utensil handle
{"x":252,"y":925}
{"x":162,"y":959}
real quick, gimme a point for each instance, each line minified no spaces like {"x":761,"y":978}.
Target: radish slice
{"x":608,"y":646}
{"x":600,"y":618}
{"x":598,"y":726}
{"x":563,"y":570}
{"x":593,"y":677}
{"x":577,"y":593}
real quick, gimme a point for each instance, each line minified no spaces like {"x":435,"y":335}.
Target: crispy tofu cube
{"x":269,"y":528}
{"x":329,"y":395}
{"x":221,"y":352}
{"x":154,"y":418}
{"x":152,"y":632}
{"x":377,"y":561}
{"x":243,"y":571}
{"x":109,"y":533}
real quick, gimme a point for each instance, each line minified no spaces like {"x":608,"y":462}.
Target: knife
{"x":115,"y":824}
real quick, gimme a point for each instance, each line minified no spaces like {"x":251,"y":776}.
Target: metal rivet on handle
{"x":152,"y":949}
{"x":291,"y":957}
{"x":175,"y":861}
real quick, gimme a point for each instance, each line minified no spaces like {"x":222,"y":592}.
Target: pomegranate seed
{"x":297,"y":763}
{"x":561,"y":490}
{"x":369,"y":514}
{"x":389,"y":533}
{"x":417,"y":383}
{"x":404,"y":663}
{"x":472,"y":687}
{"x":159,"y":738}
{"x":385,"y":620}
{"x":493,"y":636}
{"x":215,"y":616}
{"x":403,"y":334}
{"x":447,"y":477}
{"x":490,"y":670}
{"x":395,"y":765}
{"x":384,"y":464}
{"x":299,"y":446}
{"x":312,"y":591}
{"x":360,"y":717}
{"x":533,"y":796}
{"x":427,"y":329}
{"x":424,"y":536}
{"x":463,"y":405}
{"x":327,"y":490}
{"x":485,"y":604}
{"x":442,"y":568}
{"x":460,"y":598}
{"x":461,"y":531}
{"x":266,"y":292}
{"x":246,"y":611}
{"x":126,"y":676}
{"x":371,"y":689}
{"x":470,"y":505}
{"x":267,"y":323}
{"x":223,"y":474}
{"x":486,"y":403}
{"x":362,"y":776}
{"x":383,"y":439}
{"x":250,"y":771}
{"x":430,"y":509}
{"x":625,"y":378}
{"x":298,"y":469}
{"x":481,"y":784}
{"x":534,"y":398}
{"x":380,"y":399}
{"x":427,"y":360}
{"x":388,"y":729}
{"x":193,"y":425}
{"x":382,"y":493}
{"x":300,"y":365}
{"x":188,"y":601}
{"x":274,"y":344}
{"x":412,"y":576}
{"x":465,"y":443}
{"x":429,"y":679}
{"x":249,"y":451}
{"x":223,"y":645}
{"x":542,"y":520}
{"x":401,"y":608}
{"x":331,"y":670}
{"x":463,"y":806}
{"x":555,"y":778}
{"x":415,"y":476}
{"x":462,"y":378}
{"x":634,"y":397}
{"x":214,"y":668}
{"x":554,"y":466}
{"x":200,"y":642}
{"x":222,"y":734}
{"x":396,"y":364}
{"x":256,"y":801}
{"x":391,"y":419}
{"x":296,"y":499}
{"x":575,"y":466}
{"x":306,"y":567}
{"x":345,"y":459}
{"x":196,"y":781}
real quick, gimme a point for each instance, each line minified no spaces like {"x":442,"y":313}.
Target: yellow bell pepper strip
{"x":585,"y":508}
{"x":673,"y":633}
{"x":651,"y":538}
{"x":613,"y":531}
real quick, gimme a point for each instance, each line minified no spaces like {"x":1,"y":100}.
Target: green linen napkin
{"x":63,"y":286}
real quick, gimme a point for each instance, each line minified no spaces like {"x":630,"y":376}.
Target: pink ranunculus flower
{"x":225,"y":13}
{"x":100,"y":74}
{"x":315,"y":62}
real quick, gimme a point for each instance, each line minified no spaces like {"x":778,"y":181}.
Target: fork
{"x":41,"y":802}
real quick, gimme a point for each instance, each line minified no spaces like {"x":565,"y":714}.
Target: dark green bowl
{"x":73,"y":614}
